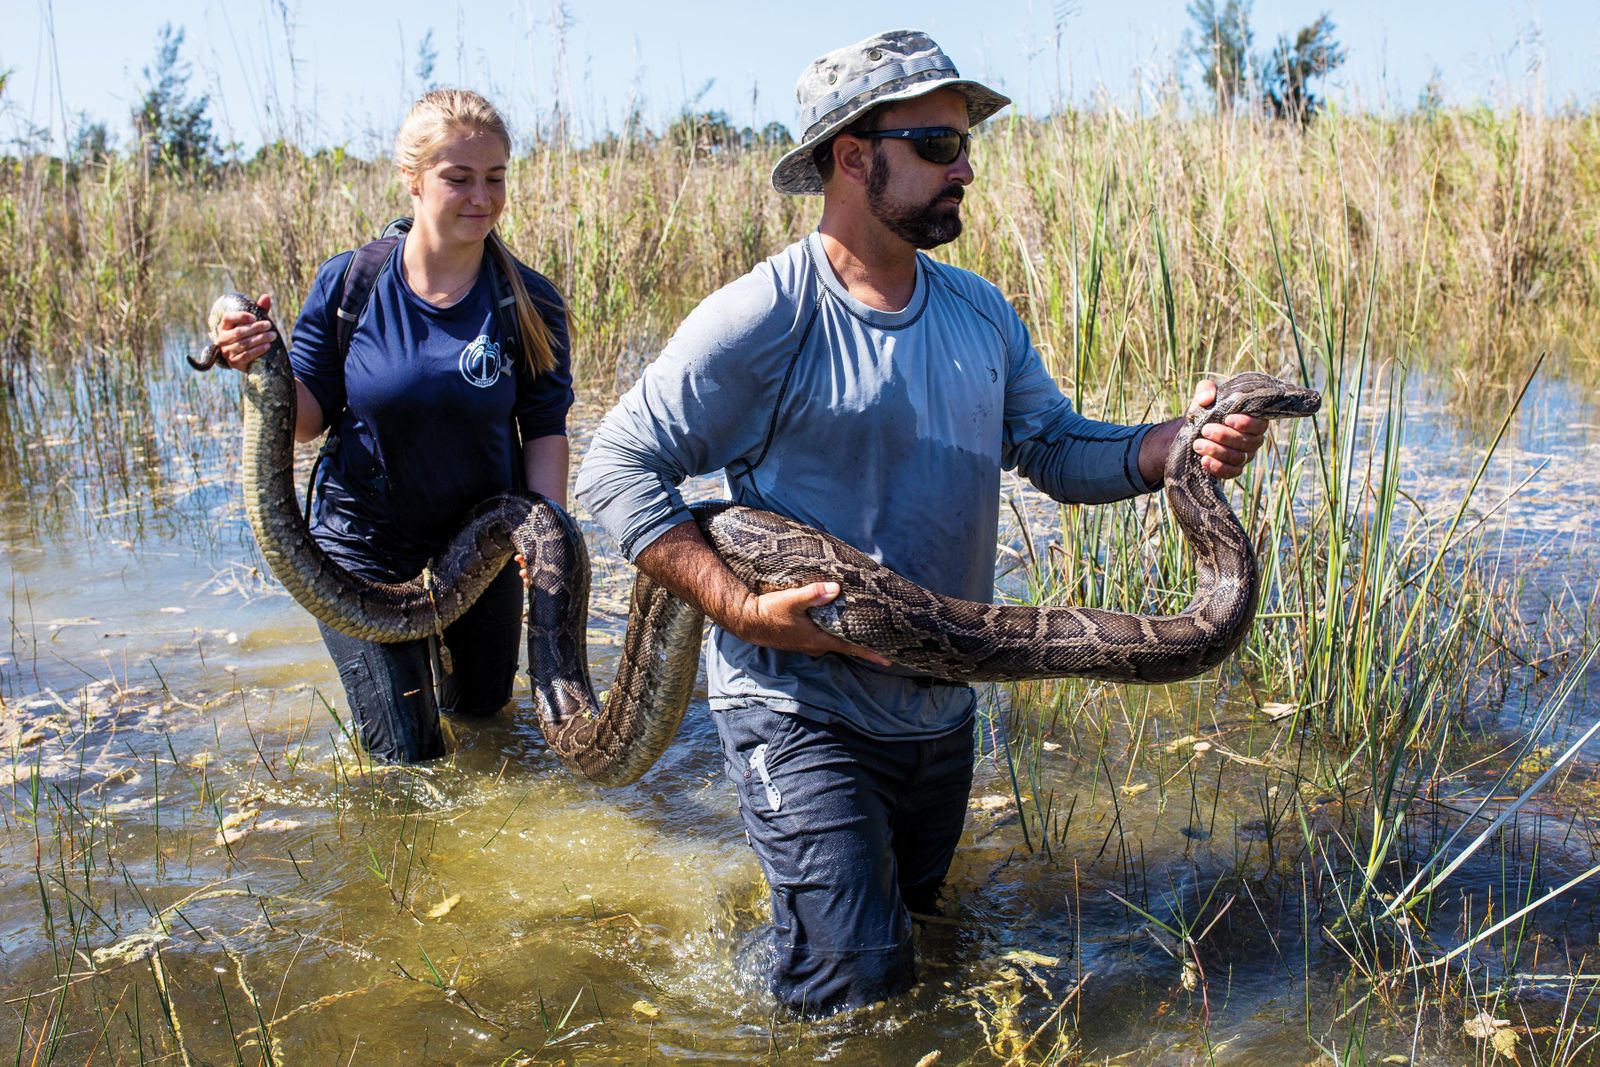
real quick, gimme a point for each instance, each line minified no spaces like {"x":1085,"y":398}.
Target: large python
{"x":615,"y":742}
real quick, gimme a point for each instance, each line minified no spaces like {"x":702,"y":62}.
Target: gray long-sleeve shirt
{"x":888,"y":430}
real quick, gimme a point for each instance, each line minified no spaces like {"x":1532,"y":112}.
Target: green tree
{"x":1431,"y":100}
{"x":92,"y":141}
{"x":1287,"y":71}
{"x":172,"y":129}
{"x":1220,"y":41}
{"x":706,"y":131}
{"x":775,"y":135}
{"x":427,"y":59}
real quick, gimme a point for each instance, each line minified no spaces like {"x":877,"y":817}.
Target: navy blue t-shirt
{"x":423,"y":405}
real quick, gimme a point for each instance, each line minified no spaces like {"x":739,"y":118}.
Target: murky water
{"x":193,"y":857}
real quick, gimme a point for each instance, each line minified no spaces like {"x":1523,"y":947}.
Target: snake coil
{"x":614,"y":742}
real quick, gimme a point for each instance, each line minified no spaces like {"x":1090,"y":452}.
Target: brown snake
{"x":615,"y":742}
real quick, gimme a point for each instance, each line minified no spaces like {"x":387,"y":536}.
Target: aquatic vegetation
{"x":1372,"y":834}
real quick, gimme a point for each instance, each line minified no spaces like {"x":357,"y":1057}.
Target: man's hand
{"x":779,"y":620}
{"x":1225,"y":448}
{"x":681,"y":560}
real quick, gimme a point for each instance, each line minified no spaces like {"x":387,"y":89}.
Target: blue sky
{"x":327,"y":73}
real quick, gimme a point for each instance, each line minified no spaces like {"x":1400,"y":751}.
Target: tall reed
{"x":1144,"y":251}
{"x":1479,"y":219}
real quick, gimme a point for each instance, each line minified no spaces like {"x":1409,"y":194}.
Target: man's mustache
{"x":952,"y":192}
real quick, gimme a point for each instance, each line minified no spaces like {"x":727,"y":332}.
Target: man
{"x":854,"y":384}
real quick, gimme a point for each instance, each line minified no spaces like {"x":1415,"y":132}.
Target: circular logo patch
{"x":480,"y":362}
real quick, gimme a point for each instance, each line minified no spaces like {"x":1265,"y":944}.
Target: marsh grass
{"x":1155,"y":244}
{"x":1384,"y":634}
{"x":1328,"y":782}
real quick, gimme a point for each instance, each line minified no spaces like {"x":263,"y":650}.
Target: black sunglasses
{"x":936,"y":144}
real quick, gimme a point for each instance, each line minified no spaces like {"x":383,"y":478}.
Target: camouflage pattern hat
{"x":843,"y":85}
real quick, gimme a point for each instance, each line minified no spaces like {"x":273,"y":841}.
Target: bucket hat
{"x":840,"y":87}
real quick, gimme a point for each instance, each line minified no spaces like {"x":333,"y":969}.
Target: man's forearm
{"x":1153,"y":451}
{"x":685,"y":563}
{"x":681,"y":560}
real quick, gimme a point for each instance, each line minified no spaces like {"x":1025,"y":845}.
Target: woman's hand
{"x":243,"y":338}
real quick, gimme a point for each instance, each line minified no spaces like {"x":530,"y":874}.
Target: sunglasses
{"x":936,"y":144}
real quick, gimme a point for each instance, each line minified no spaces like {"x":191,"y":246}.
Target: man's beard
{"x":927,"y":226}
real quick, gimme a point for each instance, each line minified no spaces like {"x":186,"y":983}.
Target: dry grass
{"x":1472,"y":233}
{"x":1143,"y":251}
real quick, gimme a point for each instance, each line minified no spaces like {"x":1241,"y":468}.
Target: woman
{"x":434,"y":409}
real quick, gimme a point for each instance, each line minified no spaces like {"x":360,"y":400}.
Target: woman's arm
{"x":545,"y":461}
{"x":242,"y":339}
{"x":309,"y":421}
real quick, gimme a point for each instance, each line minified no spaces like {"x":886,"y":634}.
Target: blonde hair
{"x":431,"y":122}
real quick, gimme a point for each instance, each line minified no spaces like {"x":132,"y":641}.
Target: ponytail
{"x":532,"y":332}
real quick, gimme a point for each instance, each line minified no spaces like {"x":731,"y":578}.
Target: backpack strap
{"x":749,"y":466}
{"x":508,"y":335}
{"x":355,"y":289}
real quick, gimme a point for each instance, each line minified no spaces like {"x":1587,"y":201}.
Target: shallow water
{"x":193,"y":852}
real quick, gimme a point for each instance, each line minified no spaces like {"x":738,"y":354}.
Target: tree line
{"x":1277,"y":80}
{"x":172,"y":128}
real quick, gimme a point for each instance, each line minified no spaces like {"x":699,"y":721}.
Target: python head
{"x":1263,"y":396}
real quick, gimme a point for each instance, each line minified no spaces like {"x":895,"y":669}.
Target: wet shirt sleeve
{"x":543,"y":401}
{"x":314,"y":354}
{"x":1076,"y":460}
{"x":701,"y":405}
